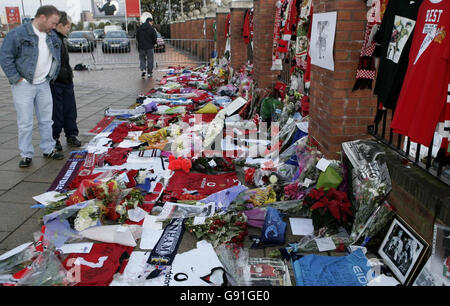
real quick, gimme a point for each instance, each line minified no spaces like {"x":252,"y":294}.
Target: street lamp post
{"x":23,"y":10}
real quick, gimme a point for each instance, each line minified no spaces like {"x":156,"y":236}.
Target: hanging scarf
{"x":248,"y":26}
{"x":228,"y":34}
{"x":365,"y":73}
{"x":276,"y":60}
{"x":289,"y":23}
{"x":301,"y":48}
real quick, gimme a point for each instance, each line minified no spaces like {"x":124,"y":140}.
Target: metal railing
{"x":172,"y":53}
{"x":426,"y":158}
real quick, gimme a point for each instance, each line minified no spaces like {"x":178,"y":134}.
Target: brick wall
{"x":239,"y":54}
{"x":337,"y":113}
{"x":263,"y":20}
{"x":221,"y":41}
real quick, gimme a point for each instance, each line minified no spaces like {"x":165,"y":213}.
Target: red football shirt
{"x":424,"y":91}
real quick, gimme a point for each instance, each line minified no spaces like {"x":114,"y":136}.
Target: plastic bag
{"x":25,"y":253}
{"x":273,"y":231}
{"x":47,"y":270}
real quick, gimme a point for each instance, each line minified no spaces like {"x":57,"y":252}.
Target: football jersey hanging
{"x":395,"y":38}
{"x":424,"y":92}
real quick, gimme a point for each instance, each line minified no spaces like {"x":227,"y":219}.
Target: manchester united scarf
{"x":365,"y":73}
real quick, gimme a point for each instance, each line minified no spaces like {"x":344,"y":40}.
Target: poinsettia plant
{"x":330,"y":208}
{"x":229,"y":228}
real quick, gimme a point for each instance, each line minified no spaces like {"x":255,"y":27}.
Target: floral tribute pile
{"x":188,"y":158}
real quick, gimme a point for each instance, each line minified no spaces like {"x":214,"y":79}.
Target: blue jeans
{"x":27,"y":99}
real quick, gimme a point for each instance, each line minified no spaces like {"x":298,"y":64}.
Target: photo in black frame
{"x":402,"y":250}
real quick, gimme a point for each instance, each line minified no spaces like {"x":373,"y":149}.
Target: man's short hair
{"x":148,"y":19}
{"x":47,"y":10}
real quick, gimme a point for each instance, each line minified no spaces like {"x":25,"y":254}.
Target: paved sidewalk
{"x":94,"y":91}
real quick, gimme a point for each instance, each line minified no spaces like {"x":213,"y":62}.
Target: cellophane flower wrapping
{"x":229,"y":228}
{"x":368,"y":196}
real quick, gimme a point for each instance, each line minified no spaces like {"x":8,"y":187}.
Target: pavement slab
{"x":9,"y":179}
{"x":24,"y":192}
{"x":14,"y":215}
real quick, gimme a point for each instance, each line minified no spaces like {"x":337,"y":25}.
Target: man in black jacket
{"x":64,"y":105}
{"x":146,"y":39}
{"x":108,"y":8}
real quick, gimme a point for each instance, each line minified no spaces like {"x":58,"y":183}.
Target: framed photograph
{"x":402,"y":250}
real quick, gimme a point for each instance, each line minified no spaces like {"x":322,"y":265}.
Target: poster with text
{"x":322,"y":39}
{"x":12,"y":14}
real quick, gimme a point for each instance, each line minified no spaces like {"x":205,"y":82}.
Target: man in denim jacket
{"x":31,"y":57}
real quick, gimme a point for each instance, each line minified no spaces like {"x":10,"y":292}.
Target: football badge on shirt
{"x":440,"y":35}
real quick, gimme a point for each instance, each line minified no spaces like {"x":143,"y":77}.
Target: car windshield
{"x":116,"y":34}
{"x":78,"y":35}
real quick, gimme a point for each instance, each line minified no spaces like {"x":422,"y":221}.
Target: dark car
{"x":160,"y":44}
{"x":81,"y":41}
{"x":99,"y":33}
{"x":116,"y":41}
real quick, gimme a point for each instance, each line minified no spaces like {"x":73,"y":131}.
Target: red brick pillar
{"x":239,"y":50}
{"x":263,"y":20}
{"x":209,"y":44}
{"x":337,"y":114}
{"x":222,"y":13}
{"x":187,"y":34}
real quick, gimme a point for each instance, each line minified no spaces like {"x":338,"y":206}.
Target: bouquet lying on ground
{"x":229,"y":228}
{"x":330,"y":208}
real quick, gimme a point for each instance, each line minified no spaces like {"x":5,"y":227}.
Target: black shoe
{"x":143,"y":75}
{"x":73,"y":142}
{"x":54,"y":155}
{"x":149,"y":75}
{"x":25,"y":162}
{"x":58,"y":146}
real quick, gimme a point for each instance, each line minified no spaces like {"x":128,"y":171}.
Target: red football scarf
{"x":276,"y":60}
{"x":365,"y":73}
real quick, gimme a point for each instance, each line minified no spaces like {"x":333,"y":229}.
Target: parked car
{"x":99,"y":33}
{"x":116,"y":41}
{"x":160,"y":44}
{"x":112,"y":28}
{"x":81,"y":41}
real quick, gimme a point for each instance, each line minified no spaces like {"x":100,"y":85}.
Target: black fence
{"x":435,"y":164}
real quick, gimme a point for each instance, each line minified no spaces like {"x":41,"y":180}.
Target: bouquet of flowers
{"x":294,"y":191}
{"x":328,"y":208}
{"x":252,"y":198}
{"x":368,"y":197}
{"x":106,"y":191}
{"x":382,"y":215}
{"x":118,"y":210}
{"x":229,"y":228}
